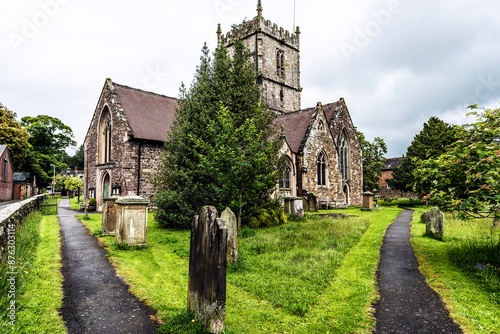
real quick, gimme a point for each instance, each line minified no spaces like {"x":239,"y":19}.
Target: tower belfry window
{"x":280,"y":64}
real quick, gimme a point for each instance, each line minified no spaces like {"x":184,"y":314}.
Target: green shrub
{"x":92,"y":202}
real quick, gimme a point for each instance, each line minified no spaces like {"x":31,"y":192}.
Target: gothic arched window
{"x":104,"y":139}
{"x":343,"y":155}
{"x":284,"y":182}
{"x":321,"y":169}
{"x":280,"y":64}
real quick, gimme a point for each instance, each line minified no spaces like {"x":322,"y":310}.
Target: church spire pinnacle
{"x":259,"y":9}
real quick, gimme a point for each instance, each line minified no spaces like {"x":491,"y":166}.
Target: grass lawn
{"x":38,"y":282}
{"x":307,"y":276}
{"x":73,"y":202}
{"x":472,"y":295}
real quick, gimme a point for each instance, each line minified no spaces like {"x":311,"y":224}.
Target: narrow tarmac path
{"x":407,"y":304}
{"x":95,"y":299}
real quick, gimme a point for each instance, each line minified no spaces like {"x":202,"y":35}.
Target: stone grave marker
{"x":207,"y":269}
{"x":313,"y":203}
{"x":109,"y":216}
{"x":232,"y":235}
{"x":132,"y":220}
{"x":434,"y":224}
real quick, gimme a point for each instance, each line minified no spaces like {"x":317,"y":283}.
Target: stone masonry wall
{"x":270,"y":40}
{"x":341,"y":120}
{"x":321,"y":141}
{"x":12,"y":216}
{"x":124,"y":153}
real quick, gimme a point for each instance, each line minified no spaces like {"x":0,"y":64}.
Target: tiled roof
{"x":20,"y":177}
{"x":150,"y":115}
{"x":295,"y":126}
{"x":391,"y":163}
{"x":330,"y":110}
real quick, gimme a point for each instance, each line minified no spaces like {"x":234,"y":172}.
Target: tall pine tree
{"x":219,"y":150}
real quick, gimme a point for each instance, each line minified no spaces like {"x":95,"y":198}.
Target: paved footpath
{"x":95,"y":299}
{"x":407,"y":304}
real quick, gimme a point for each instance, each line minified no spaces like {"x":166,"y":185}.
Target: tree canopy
{"x":49,"y":138}
{"x":466,"y":177}
{"x":373,"y":161}
{"x":14,"y":136}
{"x":429,"y":143}
{"x":219,"y":150}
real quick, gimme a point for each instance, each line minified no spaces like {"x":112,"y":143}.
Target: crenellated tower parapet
{"x":276,"y":54}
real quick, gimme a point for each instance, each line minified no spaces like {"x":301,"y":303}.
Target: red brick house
{"x":6,"y":174}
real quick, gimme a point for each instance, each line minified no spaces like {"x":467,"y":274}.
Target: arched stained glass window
{"x":321,"y":169}
{"x":343,"y":155}
{"x":284,"y":182}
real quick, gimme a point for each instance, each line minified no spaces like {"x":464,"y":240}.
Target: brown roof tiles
{"x":150,"y":115}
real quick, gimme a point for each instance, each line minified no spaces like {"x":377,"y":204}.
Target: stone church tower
{"x":276,"y":56}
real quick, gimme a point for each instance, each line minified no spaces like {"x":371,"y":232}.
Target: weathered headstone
{"x":297,"y":207}
{"x":305,"y":203}
{"x":232,"y":234}
{"x":434,"y":225}
{"x":109,"y":216}
{"x":313,"y":203}
{"x":207,"y":269}
{"x":132,"y":220}
{"x":367,"y":201}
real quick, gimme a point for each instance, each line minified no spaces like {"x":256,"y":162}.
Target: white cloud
{"x":427,"y":59}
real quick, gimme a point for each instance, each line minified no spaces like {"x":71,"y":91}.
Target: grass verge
{"x":38,"y":282}
{"x":472,"y":295}
{"x":307,"y":276}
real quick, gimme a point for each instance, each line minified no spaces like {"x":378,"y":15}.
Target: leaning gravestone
{"x":109,"y":216}
{"x":434,"y":223}
{"x":207,"y":269}
{"x":232,"y":235}
{"x":313,"y":203}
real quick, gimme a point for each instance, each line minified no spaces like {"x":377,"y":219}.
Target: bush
{"x":270,"y":215}
{"x":92,"y":202}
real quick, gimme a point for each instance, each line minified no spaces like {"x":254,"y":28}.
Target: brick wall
{"x":6,"y":176}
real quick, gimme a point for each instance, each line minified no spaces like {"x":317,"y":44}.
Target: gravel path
{"x":407,"y":304}
{"x":95,"y":299}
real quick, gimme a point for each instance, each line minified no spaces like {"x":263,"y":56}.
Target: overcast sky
{"x":396,"y":62}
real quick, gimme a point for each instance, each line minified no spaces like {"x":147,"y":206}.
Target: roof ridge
{"x":144,"y":91}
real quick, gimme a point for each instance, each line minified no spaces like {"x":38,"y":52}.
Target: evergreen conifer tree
{"x":222,"y":148}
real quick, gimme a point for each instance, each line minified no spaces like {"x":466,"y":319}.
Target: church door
{"x":106,"y":186}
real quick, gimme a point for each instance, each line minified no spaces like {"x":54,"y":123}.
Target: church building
{"x":125,"y":139}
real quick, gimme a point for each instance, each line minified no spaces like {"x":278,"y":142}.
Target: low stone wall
{"x":13,"y":215}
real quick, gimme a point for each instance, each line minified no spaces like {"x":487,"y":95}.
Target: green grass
{"x":50,"y":204}
{"x":307,"y":276}
{"x":73,"y":202}
{"x":471,"y":295}
{"x":38,"y":281}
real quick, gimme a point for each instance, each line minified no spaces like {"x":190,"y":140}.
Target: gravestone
{"x":132,"y":220}
{"x":294,"y":206}
{"x":207,"y":269}
{"x":109,"y":216}
{"x":312,"y":202}
{"x":367,"y":201}
{"x":434,"y":224}
{"x":232,"y":235}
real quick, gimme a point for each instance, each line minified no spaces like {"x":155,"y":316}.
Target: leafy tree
{"x":76,"y":161}
{"x":466,"y":177}
{"x":14,"y":136}
{"x":218,"y":151}
{"x":373,"y":161}
{"x":429,"y":143}
{"x":49,"y":139}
